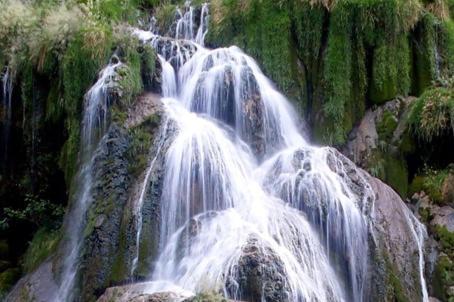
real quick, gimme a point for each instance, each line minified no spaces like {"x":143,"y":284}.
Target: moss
{"x":395,"y":289}
{"x":7,"y":280}
{"x":391,"y":169}
{"x":138,"y":150}
{"x":397,"y":175}
{"x":337,"y":73}
{"x":424,"y":64}
{"x":431,"y":183}
{"x":443,"y":277}
{"x":207,"y":297}
{"x":446,"y":238}
{"x":147,"y":66}
{"x":417,"y":185}
{"x":165,"y":15}
{"x":432,"y":115}
{"x":386,"y":126}
{"x":447,"y":47}
{"x":79,"y":68}
{"x":43,"y":244}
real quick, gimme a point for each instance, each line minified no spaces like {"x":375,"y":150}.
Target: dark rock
{"x":259,"y":275}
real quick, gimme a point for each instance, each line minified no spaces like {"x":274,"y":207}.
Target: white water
{"x":239,"y":170}
{"x":7,"y":81}
{"x":94,"y":124}
{"x":419,"y":233}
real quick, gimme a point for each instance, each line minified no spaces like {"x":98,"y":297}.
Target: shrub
{"x":432,"y":115}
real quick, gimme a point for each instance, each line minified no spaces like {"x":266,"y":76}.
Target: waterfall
{"x":7,"y":80}
{"x":94,"y":124}
{"x":419,"y":232}
{"x":239,"y":173}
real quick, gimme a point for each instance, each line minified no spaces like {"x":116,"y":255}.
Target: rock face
{"x":110,"y":194}
{"x":137,"y":293}
{"x":39,"y":286}
{"x":396,"y":238}
{"x":259,"y":275}
{"x":110,"y":232}
{"x":380,"y":141}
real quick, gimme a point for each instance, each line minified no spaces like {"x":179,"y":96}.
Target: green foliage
{"x":38,"y":211}
{"x":165,"y":15}
{"x":7,"y":280}
{"x":424,"y":54}
{"x":386,"y":126}
{"x":43,"y":244}
{"x":391,"y":169}
{"x":446,"y":48}
{"x":207,"y":297}
{"x":446,"y":239}
{"x":338,"y":72}
{"x":138,"y":149}
{"x":343,"y":55}
{"x":443,"y":277}
{"x":431,"y":182}
{"x":261,"y":28}
{"x":432,"y":114}
{"x":147,"y":65}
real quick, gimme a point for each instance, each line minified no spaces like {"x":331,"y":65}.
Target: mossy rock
{"x":44,"y":242}
{"x":386,"y":126}
{"x":8,"y":278}
{"x":431,"y":183}
{"x":443,"y":277}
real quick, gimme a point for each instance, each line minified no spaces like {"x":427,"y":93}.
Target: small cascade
{"x":144,"y":186}
{"x":7,"y":81}
{"x":419,"y":232}
{"x":185,"y":23}
{"x":94,"y":124}
{"x":97,"y":103}
{"x":303,"y":178}
{"x":203,"y":27}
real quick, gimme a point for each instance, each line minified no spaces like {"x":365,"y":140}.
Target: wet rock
{"x":39,"y":286}
{"x":109,"y":195}
{"x":444,"y":217}
{"x":380,"y":141}
{"x":137,"y":292}
{"x":447,"y":190}
{"x":259,"y":275}
{"x":395,"y":232}
{"x":394,"y":251}
{"x":252,"y":113}
{"x":146,"y":106}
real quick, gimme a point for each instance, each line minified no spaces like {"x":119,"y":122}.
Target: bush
{"x":431,"y":182}
{"x":432,"y":115}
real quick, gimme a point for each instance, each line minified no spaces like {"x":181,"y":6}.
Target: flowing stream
{"x":7,"y":93}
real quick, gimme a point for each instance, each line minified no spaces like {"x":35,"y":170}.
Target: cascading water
{"x":7,"y":81}
{"x":238,"y":171}
{"x":93,"y":127}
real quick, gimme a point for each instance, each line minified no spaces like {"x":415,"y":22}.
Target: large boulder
{"x":39,"y":286}
{"x":381,"y":140}
{"x":137,"y":292}
{"x":396,"y":238}
{"x":259,"y":275}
